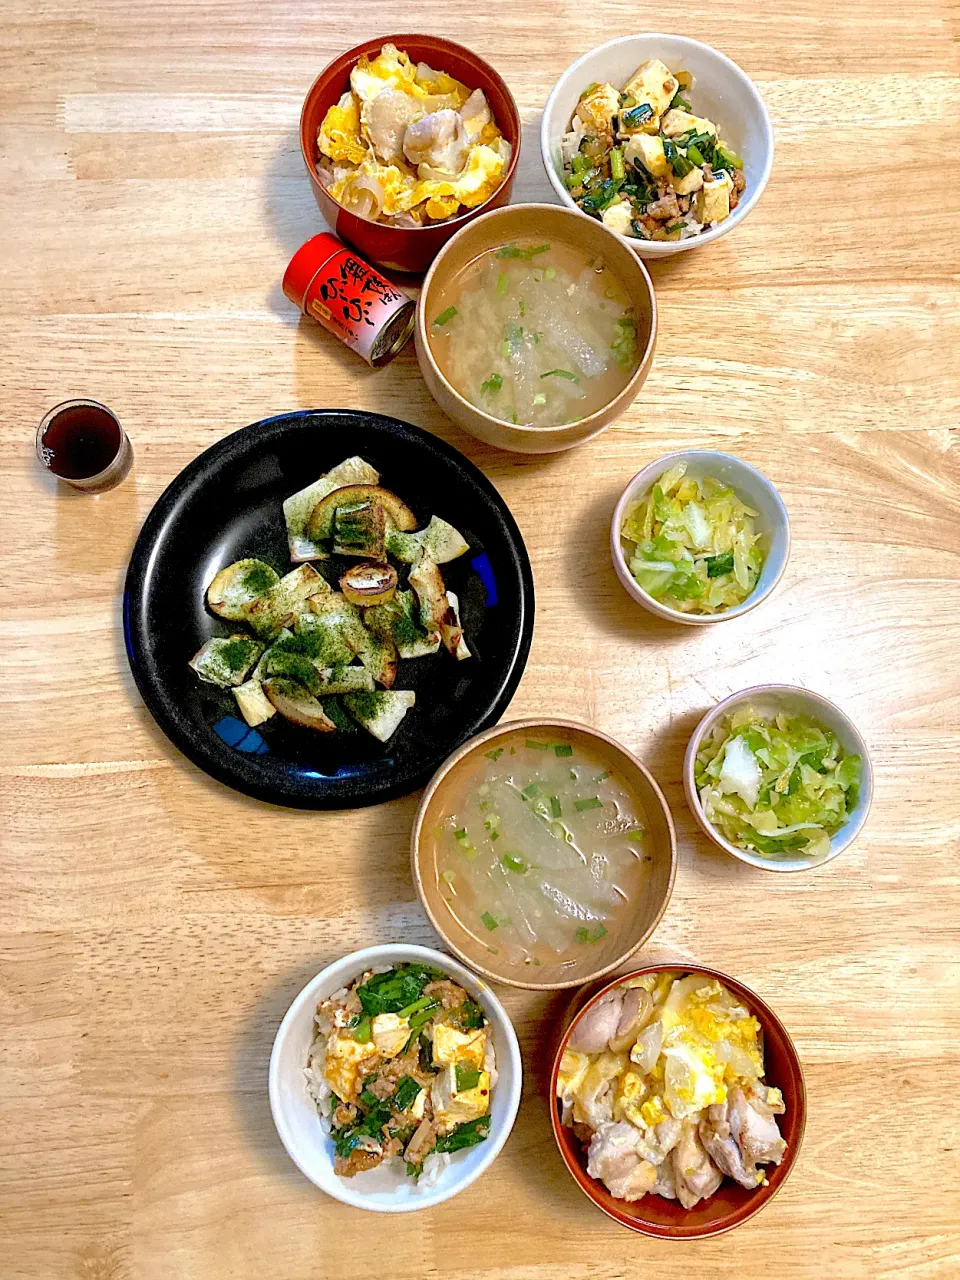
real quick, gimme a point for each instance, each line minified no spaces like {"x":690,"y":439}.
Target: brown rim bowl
{"x":731,"y":1204}
{"x":542,"y":221}
{"x":405,"y":248}
{"x":595,"y":960}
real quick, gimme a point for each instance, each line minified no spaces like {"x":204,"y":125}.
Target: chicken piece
{"x":653,"y":82}
{"x":754,"y":1129}
{"x":438,"y":140}
{"x":613,"y":1158}
{"x":634,"y":1015}
{"x":593,"y":1103}
{"x":714,"y":1131}
{"x":597,"y":109}
{"x":387,"y":117}
{"x":475,"y":113}
{"x":666,"y":1183}
{"x":695,"y":1174}
{"x":598,"y":1025}
{"x":666,"y":1135}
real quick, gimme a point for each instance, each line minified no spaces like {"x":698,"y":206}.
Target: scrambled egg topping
{"x":465,"y":158}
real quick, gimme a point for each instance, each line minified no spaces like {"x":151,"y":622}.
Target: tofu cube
{"x":451,"y":1046}
{"x":687,"y":185}
{"x":649,"y":151}
{"x":390,"y":1033}
{"x":676,"y":122}
{"x":617,"y":217}
{"x":597,"y":110}
{"x":654,"y":83}
{"x":713,"y":198}
{"x":451,"y":1108}
{"x":347,"y":1063}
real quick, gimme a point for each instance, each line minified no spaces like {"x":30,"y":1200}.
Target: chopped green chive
{"x":536,"y":746}
{"x":549,"y":273}
{"x":492,"y":385}
{"x":594,"y":802}
{"x":539,"y":398}
{"x":511,"y":862}
{"x":514,"y":251}
{"x":587,"y":935}
{"x":602,"y":777}
{"x":495,"y":754}
{"x":530,"y":791}
{"x":503,"y":284}
{"x":445,"y":316}
{"x":561,"y":373}
{"x":562,"y":749}
{"x":460,"y":835}
{"x":555,"y":810}
{"x":489,"y":921}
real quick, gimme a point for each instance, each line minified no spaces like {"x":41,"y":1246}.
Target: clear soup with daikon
{"x":540,"y":851}
{"x":536,"y":334}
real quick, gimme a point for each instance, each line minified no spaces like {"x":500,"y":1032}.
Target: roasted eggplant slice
{"x":297,"y":508}
{"x":226,"y":660}
{"x":439,"y":539}
{"x":279,"y":606}
{"x":296,"y":705}
{"x":320,"y":524}
{"x":452,"y":632}
{"x":380,"y":713}
{"x":254,"y":705}
{"x":238,"y":585}
{"x":369,"y":584}
{"x":427,"y":581}
{"x":359,"y":529}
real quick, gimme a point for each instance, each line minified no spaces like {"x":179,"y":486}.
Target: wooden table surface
{"x":154,"y":926}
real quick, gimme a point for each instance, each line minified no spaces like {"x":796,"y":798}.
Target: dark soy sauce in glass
{"x":83,"y":443}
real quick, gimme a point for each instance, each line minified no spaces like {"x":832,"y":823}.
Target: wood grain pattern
{"x":154,"y":926}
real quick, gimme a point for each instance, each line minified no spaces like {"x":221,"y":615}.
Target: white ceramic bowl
{"x":721,"y":92}
{"x":386,"y":1189}
{"x":768,"y":699}
{"x":752,"y":486}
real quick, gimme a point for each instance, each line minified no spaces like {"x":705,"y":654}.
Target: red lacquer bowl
{"x":405,"y":248}
{"x":730,"y":1204}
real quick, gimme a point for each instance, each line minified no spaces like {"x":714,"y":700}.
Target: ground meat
{"x":734,"y":199}
{"x":422,"y":1142}
{"x":707,"y":172}
{"x":684,"y":204}
{"x":665,"y":209}
{"x":739,"y":181}
{"x":450,"y":995}
{"x":392,"y":1147}
{"x":346,"y":1113}
{"x":356,"y":1162}
{"x":382,"y":1087}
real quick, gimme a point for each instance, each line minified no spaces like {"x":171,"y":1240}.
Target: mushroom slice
{"x":320,"y":524}
{"x":369,"y":584}
{"x":359,"y":529}
{"x":226,"y":660}
{"x":278,"y":607}
{"x":238,"y":585}
{"x":452,"y":632}
{"x":254,"y":705}
{"x":439,"y":539}
{"x":381,"y":712}
{"x":427,"y":581}
{"x":296,"y":705}
{"x":345,"y":680}
{"x":297,"y":508}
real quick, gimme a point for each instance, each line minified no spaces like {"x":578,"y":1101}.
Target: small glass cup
{"x":82,"y":443}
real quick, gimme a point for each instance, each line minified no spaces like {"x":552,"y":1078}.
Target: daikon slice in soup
{"x":535,"y":334}
{"x":540,"y":852}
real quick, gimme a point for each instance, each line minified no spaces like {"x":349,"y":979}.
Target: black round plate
{"x":227,"y":505}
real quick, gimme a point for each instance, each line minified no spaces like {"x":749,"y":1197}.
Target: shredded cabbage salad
{"x":776,"y":787}
{"x":692,"y":544}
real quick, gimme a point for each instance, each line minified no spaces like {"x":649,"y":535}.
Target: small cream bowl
{"x":752,"y":487}
{"x":767,"y":700}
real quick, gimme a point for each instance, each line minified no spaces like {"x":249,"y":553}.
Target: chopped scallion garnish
{"x":512,"y":862}
{"x":489,"y":921}
{"x":561,"y":373}
{"x":445,"y":317}
{"x":593,"y":802}
{"x":562,"y":749}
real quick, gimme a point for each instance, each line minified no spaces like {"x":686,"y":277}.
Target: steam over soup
{"x":535,"y":334}
{"x":541,"y":851}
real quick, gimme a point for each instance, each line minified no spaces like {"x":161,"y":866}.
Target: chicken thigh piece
{"x":613,"y":1158}
{"x":754,"y":1129}
{"x":439,"y":141}
{"x":695,"y":1174}
{"x":714,"y":1130}
{"x":387,"y":117}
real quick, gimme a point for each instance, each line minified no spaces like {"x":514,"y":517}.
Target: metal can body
{"x":334,"y":286}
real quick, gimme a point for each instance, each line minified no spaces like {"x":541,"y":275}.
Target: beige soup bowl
{"x":635,"y":926}
{"x":544,"y":222}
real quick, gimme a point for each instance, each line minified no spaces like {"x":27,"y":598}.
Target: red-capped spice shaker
{"x":331,"y":284}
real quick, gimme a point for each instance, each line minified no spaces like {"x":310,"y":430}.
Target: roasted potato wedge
{"x":296,"y":705}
